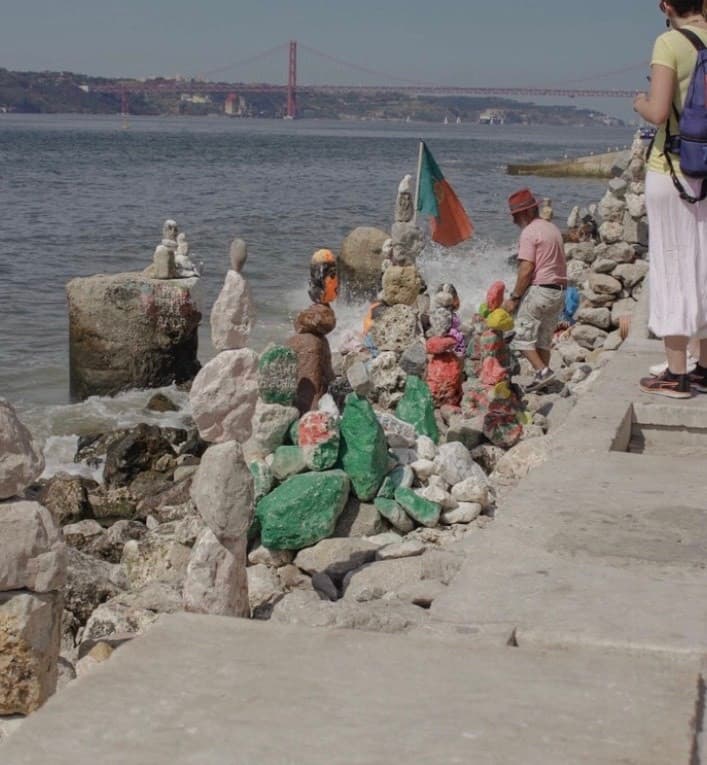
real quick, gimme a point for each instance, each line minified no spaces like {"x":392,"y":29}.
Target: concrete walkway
{"x":576,"y":632}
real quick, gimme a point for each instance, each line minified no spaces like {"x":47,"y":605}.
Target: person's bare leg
{"x":545,"y":354}
{"x":535,"y":359}
{"x":693,"y":348}
{"x":676,"y":353}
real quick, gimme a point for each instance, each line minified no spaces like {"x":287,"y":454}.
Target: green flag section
{"x":450,"y":224}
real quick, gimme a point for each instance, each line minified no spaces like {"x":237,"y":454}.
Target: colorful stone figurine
{"x":444,"y":371}
{"x":314,"y":369}
{"x":323,"y":277}
{"x":488,"y":391}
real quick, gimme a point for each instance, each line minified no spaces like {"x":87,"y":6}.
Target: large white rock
{"x":233,"y":314}
{"x":223,"y":492}
{"x":30,"y":639}
{"x":216,"y":581}
{"x":32,"y":553}
{"x":454,"y":463}
{"x":21,"y":461}
{"x":224,"y":394}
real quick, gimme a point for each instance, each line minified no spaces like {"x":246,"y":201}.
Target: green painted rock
{"x":277,"y":375}
{"x":294,"y":433}
{"x":303,"y":510}
{"x":262,"y":478}
{"x":318,"y":437}
{"x":394,"y":514}
{"x":417,"y":407}
{"x":364,"y":451}
{"x":287,"y":461}
{"x":418,"y":508}
{"x":402,"y":475}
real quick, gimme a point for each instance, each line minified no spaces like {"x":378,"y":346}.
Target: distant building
{"x":492,"y":117}
{"x":235,"y":105}
{"x":195,"y":98}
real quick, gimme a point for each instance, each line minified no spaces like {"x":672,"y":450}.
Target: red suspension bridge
{"x":204,"y":84}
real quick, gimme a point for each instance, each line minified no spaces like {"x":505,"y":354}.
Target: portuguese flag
{"x":450,"y":224}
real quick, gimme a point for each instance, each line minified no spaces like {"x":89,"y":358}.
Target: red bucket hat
{"x":521,"y":200}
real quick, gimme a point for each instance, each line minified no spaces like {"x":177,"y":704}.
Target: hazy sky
{"x":504,"y":43}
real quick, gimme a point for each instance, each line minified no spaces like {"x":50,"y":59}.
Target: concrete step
{"x":215,"y":691}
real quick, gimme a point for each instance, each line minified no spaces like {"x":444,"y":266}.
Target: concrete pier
{"x":575,"y":632}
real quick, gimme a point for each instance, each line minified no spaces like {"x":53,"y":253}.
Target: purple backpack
{"x":691,"y":142}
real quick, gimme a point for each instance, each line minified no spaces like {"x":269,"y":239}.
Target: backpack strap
{"x":682,"y":191}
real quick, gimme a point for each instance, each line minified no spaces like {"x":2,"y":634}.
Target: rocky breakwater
{"x":135,"y":330}
{"x":606,"y":262}
{"x":32,"y":575}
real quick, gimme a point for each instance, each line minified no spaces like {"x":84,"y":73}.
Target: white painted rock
{"x":454,"y":463}
{"x":223,"y":492}
{"x":426,"y":449}
{"x":466,"y":512}
{"x":233,"y":314}
{"x":472,"y":489}
{"x":423,"y":469}
{"x":32,"y":553}
{"x":21,"y":461}
{"x":224,"y":394}
{"x":271,"y":423}
{"x":216,"y":581}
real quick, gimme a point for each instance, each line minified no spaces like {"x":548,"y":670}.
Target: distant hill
{"x":66,"y":92}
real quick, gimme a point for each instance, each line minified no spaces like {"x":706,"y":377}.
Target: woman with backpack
{"x":676,"y":191}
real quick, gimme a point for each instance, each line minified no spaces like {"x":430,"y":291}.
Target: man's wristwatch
{"x":515,"y":297}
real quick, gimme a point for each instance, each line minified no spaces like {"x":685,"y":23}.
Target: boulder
{"x":30,"y":640}
{"x":32,"y":553}
{"x":359,"y":263}
{"x":131,"y":613}
{"x":264,"y":590}
{"x":21,"y":460}
{"x":130,"y":331}
{"x":216,"y":581}
{"x":464,"y":512}
{"x":401,"y":285}
{"x":454,"y":463}
{"x":397,"y":432}
{"x":159,"y":556}
{"x":303,"y":510}
{"x":395,"y":327}
{"x":597,"y":317}
{"x":287,"y":461}
{"x":90,"y":582}
{"x":414,"y":359}
{"x":222,"y":491}
{"x":630,"y":274}
{"x":588,"y":336}
{"x":233,"y":314}
{"x":400,"y":476}
{"x":603,"y":284}
{"x":611,"y":231}
{"x":387,"y":379}
{"x":223,"y":396}
{"x":136,"y":451}
{"x":364,"y":451}
{"x":521,"y":459}
{"x":336,"y":557}
{"x":66,"y":498}
{"x":473,"y":489}
{"x":359,"y":519}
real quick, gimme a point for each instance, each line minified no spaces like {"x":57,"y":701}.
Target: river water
{"x":81,"y":195}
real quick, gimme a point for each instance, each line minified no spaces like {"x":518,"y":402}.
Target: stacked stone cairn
{"x":32,"y":575}
{"x":223,"y":398}
{"x":606,"y":261}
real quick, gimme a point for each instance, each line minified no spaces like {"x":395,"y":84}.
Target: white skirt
{"x":677,"y":258}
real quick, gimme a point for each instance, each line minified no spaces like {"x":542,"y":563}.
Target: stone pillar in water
{"x":131,"y":331}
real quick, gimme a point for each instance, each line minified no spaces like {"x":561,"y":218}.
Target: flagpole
{"x":417,"y":185}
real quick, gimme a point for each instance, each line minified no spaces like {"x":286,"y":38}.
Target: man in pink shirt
{"x":538,"y":296}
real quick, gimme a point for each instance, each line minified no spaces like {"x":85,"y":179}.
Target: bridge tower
{"x":292,"y":83}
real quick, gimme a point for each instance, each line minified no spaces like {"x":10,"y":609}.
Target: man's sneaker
{"x":657,"y":369}
{"x":698,"y":379}
{"x":543,"y":377}
{"x":667,"y":384}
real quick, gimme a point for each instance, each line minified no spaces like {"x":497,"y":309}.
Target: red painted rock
{"x":492,"y":372}
{"x":494,"y":296}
